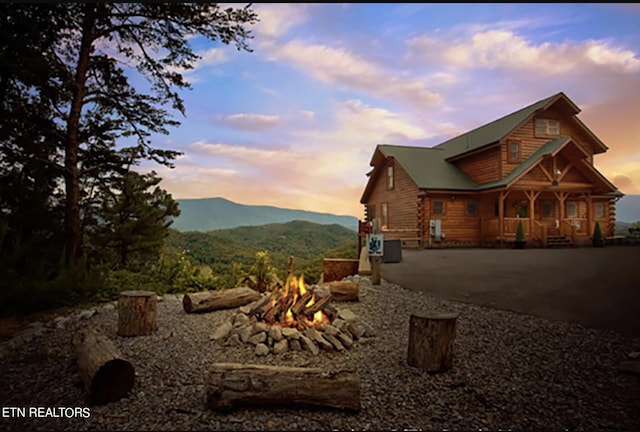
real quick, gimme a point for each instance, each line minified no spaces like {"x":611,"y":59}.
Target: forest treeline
{"x":79,"y":221}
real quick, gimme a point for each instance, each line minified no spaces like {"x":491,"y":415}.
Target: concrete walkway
{"x":596,"y":287}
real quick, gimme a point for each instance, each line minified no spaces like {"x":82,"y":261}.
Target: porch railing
{"x":569,"y":227}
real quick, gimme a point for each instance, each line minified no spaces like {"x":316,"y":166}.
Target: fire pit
{"x":294,"y":306}
{"x":294,"y":318}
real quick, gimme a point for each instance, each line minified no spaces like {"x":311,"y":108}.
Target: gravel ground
{"x":510,"y":371}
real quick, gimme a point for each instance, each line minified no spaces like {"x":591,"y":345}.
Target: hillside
{"x":207,"y":214}
{"x":307,"y":242}
{"x":628,"y":209}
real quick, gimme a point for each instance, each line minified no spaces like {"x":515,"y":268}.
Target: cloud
{"x":251,"y":122}
{"x":277,"y":19}
{"x":340,"y":66}
{"x":506,"y":50}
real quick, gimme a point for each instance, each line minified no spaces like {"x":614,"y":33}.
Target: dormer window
{"x":514,"y":151}
{"x":547,"y":127}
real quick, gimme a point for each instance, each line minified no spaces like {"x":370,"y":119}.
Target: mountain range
{"x":208,"y":214}
{"x":628,"y":209}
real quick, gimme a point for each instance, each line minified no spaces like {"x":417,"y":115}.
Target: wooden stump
{"x":344,"y":291}
{"x":106,"y":375}
{"x":234,"y":385}
{"x":431,"y":341}
{"x":208,"y":301}
{"x":137,"y":313}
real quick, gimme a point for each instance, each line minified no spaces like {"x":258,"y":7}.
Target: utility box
{"x":435,"y":229}
{"x":392,"y":251}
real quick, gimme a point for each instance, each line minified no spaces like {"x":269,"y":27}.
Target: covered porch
{"x":547,"y":216}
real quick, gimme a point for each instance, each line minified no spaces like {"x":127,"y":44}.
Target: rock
{"x":234,"y":339}
{"x":159,"y":298}
{"x":280,"y":347}
{"x":331,"y":330}
{"x":258,"y":338}
{"x":245,"y":309}
{"x":290,"y":333}
{"x":262,"y":327}
{"x":369,"y":331}
{"x":275,"y":333}
{"x":357,"y":330}
{"x":294,"y":345}
{"x":309,"y":345}
{"x":240,"y":320}
{"x":262,"y":349}
{"x":317,"y":337}
{"x":109,"y":306}
{"x":347,"y":315}
{"x":334,"y":341}
{"x":345,"y":339}
{"x":634,"y":355}
{"x":339,"y":323}
{"x":222,"y":331}
{"x":246,"y":332}
{"x":86,"y":314}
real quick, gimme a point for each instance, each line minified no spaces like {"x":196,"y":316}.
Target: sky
{"x":295,"y":122}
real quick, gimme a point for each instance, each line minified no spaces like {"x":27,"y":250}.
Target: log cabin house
{"x":533,"y":166}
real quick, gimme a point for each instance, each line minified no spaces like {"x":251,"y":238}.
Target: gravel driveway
{"x":596,"y":287}
{"x":510,"y":371}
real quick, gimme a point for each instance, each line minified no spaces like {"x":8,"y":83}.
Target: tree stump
{"x":137,"y":313}
{"x":106,"y":375}
{"x":234,"y":385}
{"x":431,"y":341}
{"x":208,"y":301}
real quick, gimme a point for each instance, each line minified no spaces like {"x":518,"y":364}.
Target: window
{"x":547,"y":127}
{"x":385,"y":215}
{"x":514,"y":151}
{"x":572,"y":209}
{"x":598,"y":210}
{"x":547,"y":210}
{"x":438,"y":208}
{"x":390,"y":177}
{"x":472,"y":208}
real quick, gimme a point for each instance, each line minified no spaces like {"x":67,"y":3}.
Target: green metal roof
{"x":427,"y":168}
{"x":491,"y":132}
{"x":433,"y":168}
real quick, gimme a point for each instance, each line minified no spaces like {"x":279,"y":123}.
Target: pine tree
{"x":133,"y":222}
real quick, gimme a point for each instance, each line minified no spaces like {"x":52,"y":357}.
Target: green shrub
{"x":520,"y":232}
{"x":598,"y":240}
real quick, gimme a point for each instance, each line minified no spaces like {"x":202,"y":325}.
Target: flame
{"x":288,"y":297}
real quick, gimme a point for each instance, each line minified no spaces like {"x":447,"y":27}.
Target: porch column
{"x":531,"y":195}
{"x":590,"y":215}
{"x":501,"y":215}
{"x":561,"y":196}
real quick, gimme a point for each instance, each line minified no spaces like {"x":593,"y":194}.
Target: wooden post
{"x":501,"y":216}
{"x":232,"y":385}
{"x":431,"y":341}
{"x":376,"y":261}
{"x":106,"y":375}
{"x":137,"y":313}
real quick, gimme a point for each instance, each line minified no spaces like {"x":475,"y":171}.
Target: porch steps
{"x":558,"y":241}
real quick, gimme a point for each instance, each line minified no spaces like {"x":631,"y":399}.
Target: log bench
{"x":233,"y":385}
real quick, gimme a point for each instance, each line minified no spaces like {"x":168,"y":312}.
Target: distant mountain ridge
{"x":208,"y":214}
{"x":628,"y":209}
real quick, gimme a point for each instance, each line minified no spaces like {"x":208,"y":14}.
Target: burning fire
{"x":295,"y":306}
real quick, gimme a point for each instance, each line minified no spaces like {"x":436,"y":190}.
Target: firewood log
{"x":344,"y":291}
{"x":208,"y":301}
{"x":317,"y":306}
{"x":106,"y":375}
{"x":233,"y":385}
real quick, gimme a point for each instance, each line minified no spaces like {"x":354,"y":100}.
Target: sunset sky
{"x":294,"y":123}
